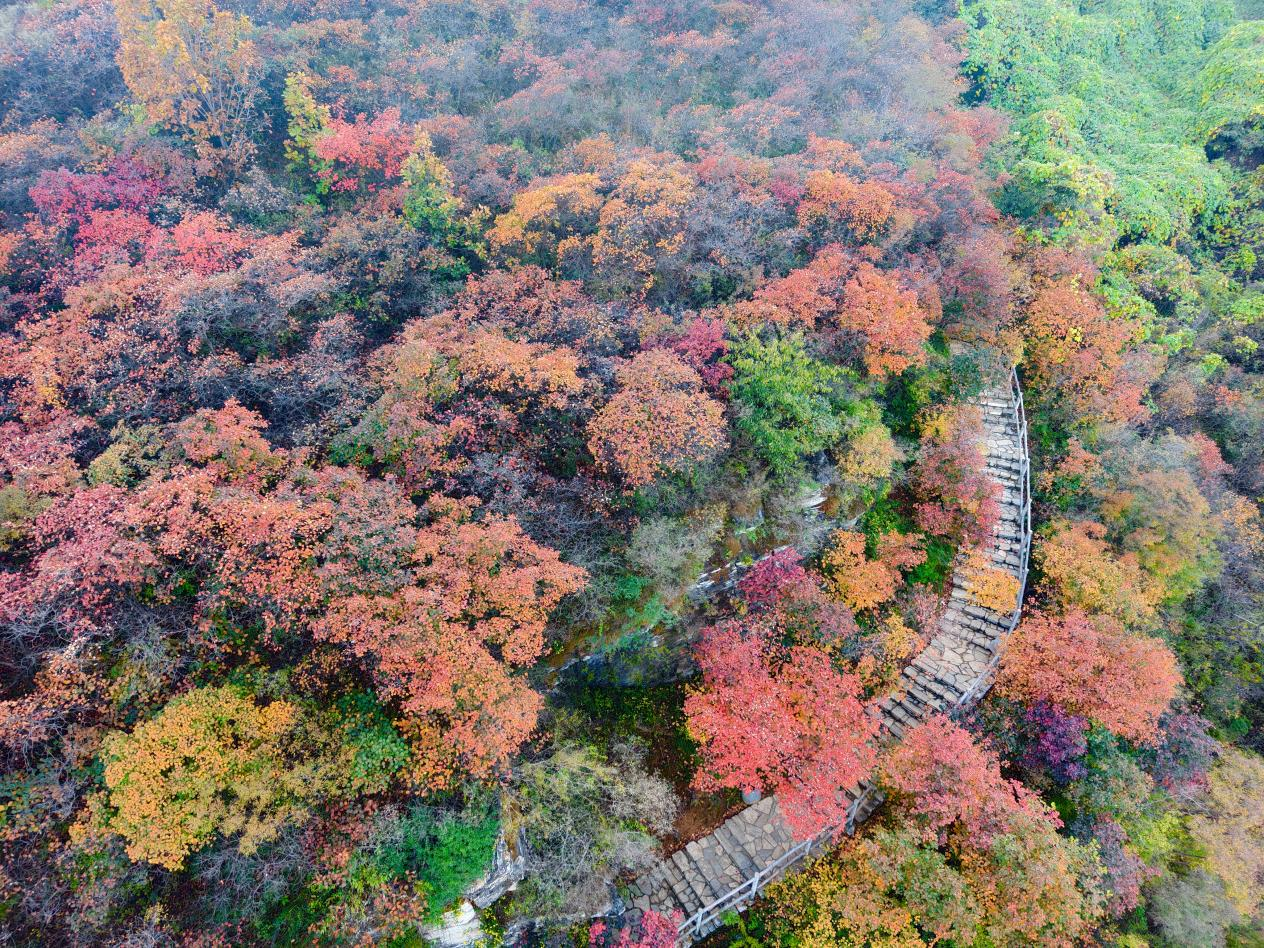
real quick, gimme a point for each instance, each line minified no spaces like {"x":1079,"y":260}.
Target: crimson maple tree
{"x":780,"y":719}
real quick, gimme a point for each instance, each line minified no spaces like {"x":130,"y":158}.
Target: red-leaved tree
{"x":948,"y":783}
{"x":781,"y":719}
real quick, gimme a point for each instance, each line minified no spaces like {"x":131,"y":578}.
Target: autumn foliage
{"x":447,"y":647}
{"x":211,"y":762}
{"x":1088,"y":665}
{"x":950,"y":784}
{"x":1075,"y":348}
{"x":889,"y":318}
{"x":192,"y":65}
{"x":1082,"y":570}
{"x":968,"y":856}
{"x":863,"y":582}
{"x":658,"y":422}
{"x":432,"y":431}
{"x":781,"y":720}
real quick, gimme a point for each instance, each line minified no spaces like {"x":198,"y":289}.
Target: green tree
{"x":1231,"y":89}
{"x":788,"y":403}
{"x":431,"y":204}
{"x":307,"y":121}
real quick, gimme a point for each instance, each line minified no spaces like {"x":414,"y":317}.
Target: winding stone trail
{"x":725,"y":870}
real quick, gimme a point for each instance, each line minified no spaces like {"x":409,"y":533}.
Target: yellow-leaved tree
{"x":193,"y":67}
{"x":212,"y":761}
{"x":1230,"y":827}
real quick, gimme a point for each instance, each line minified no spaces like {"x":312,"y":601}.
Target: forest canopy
{"x":456,"y":456}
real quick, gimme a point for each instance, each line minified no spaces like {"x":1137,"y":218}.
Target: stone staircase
{"x":958,"y":665}
{"x":710,"y":868}
{"x":725,"y":870}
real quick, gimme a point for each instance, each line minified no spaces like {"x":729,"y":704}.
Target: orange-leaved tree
{"x":967,"y":858}
{"x":659,"y":422}
{"x":838,"y":207}
{"x":984,"y":842}
{"x":890,"y":320}
{"x":1076,"y":352}
{"x":1088,"y":665}
{"x":448,"y":649}
{"x":1080,"y":569}
{"x":861,"y":582}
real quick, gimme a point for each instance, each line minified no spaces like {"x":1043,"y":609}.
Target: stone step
{"x":1002,"y":467}
{"x":933,"y":703}
{"x":1009,"y":558}
{"x":946,"y":697}
{"x":706,"y":879}
{"x":961,"y":652}
{"x":987,"y":633}
{"x":736,"y":851}
{"x":674,"y":888}
{"x":711,"y":867}
{"x":985,"y":615}
{"x":977,"y":654}
{"x":893,"y":727}
{"x":947,"y":688}
{"x":865,"y":810}
{"x":1003,"y":463}
{"x":904,"y":715}
{"x":688,"y":886}
{"x":783,"y":839}
{"x":670,"y":898}
{"x":682,"y":890}
{"x":760,"y":811}
{"x":980,"y":640}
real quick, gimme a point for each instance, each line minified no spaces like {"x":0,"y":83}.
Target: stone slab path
{"x":726,"y":870}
